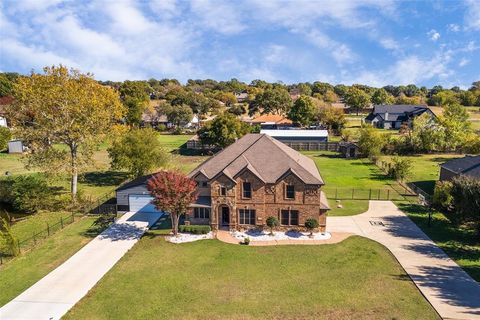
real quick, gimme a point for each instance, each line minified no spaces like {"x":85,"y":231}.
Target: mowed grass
{"x":346,"y":176}
{"x":426,"y":169}
{"x":460,"y":243}
{"x":356,"y":279}
{"x":22,"y":272}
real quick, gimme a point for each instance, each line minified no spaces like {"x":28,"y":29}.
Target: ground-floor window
{"x":246,"y":216}
{"x":201,"y":213}
{"x":289,"y":217}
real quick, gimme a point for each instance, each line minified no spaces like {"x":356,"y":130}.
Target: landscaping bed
{"x":262,"y":235}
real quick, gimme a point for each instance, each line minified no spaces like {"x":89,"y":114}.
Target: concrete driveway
{"x":52,"y":296}
{"x":450,"y":290}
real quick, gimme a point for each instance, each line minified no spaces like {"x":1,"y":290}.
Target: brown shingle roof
{"x":264,"y":156}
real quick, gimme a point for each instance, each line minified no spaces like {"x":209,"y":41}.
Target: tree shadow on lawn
{"x":103,"y":178}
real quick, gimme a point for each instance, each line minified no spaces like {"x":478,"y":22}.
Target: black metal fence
{"x":103,"y":205}
{"x":26,"y":244}
{"x":367,"y":193}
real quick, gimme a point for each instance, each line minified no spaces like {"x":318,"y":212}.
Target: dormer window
{"x":289,"y":191}
{"x":247,"y":190}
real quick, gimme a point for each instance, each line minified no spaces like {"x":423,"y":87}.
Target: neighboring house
{"x":393,"y":116}
{"x":271,"y":121}
{"x":466,"y":166}
{"x":298,"y":135}
{"x":15,"y":146}
{"x":244,"y":184}
{"x":241,"y":97}
{"x":4,"y":102}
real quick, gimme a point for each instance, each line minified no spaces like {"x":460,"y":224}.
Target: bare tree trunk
{"x":74,"y":168}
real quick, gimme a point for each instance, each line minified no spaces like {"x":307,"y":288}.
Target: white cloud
{"x":472,"y":15}
{"x":406,"y":70}
{"x":220,"y":16}
{"x":463,"y":62}
{"x":453,"y":27}
{"x":389,"y":44}
{"x":339,"y":51}
{"x":433,"y":35}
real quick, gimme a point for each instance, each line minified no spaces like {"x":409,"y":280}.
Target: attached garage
{"x":134,"y":196}
{"x":141,"y":203}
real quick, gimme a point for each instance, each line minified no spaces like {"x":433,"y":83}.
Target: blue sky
{"x":375,"y":42}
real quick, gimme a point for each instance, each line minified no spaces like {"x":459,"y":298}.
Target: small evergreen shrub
{"x":272,"y":222}
{"x":311,"y":224}
{"x":195,"y":229}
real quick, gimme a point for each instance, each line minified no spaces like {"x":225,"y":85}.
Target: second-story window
{"x":247,"y":190}
{"x":289,"y":191}
{"x":223,"y":191}
{"x":204,"y":184}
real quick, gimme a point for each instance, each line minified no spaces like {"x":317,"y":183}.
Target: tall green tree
{"x":302,"y":111}
{"x":139,"y":152}
{"x":135,"y":97}
{"x":381,"y":96}
{"x":223,"y":130}
{"x":64,"y":107}
{"x":456,"y":125}
{"x":357,"y":99}
{"x":370,"y":142}
{"x":276,"y":100}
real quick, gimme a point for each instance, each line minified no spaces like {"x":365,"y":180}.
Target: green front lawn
{"x":19,"y":274}
{"x":356,"y":279}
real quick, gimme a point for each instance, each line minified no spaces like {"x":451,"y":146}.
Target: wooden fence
{"x":313,"y":146}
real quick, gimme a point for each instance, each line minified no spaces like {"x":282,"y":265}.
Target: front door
{"x":225,"y":216}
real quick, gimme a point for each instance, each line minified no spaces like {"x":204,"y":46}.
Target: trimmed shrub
{"x":272,"y":222}
{"x":28,"y":193}
{"x":195,"y":229}
{"x":311,"y":224}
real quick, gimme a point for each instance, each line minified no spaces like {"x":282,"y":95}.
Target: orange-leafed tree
{"x":172,"y":192}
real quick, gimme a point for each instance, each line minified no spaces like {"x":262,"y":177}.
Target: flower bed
{"x":262,"y":235}
{"x":188,"y":237}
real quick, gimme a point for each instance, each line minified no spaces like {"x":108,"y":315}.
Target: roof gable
{"x":468,"y":165}
{"x":264,"y":156}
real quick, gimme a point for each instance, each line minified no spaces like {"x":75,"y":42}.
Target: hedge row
{"x":195,"y":229}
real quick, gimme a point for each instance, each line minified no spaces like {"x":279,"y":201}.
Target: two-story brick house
{"x":254,"y":178}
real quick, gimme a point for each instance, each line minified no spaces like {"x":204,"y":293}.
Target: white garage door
{"x":141,"y":202}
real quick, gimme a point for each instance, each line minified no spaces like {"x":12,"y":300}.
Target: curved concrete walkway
{"x":52,"y":296}
{"x":450,"y":290}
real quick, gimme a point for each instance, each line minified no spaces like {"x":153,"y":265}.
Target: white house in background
{"x":3,"y":122}
{"x":293,"y":135}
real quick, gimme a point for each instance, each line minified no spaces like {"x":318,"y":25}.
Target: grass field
{"x":25,"y":270}
{"x":342,"y":175}
{"x":356,"y":279}
{"x":426,"y":169}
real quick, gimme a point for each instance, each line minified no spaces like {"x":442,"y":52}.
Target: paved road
{"x":450,"y":290}
{"x":52,"y":296}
